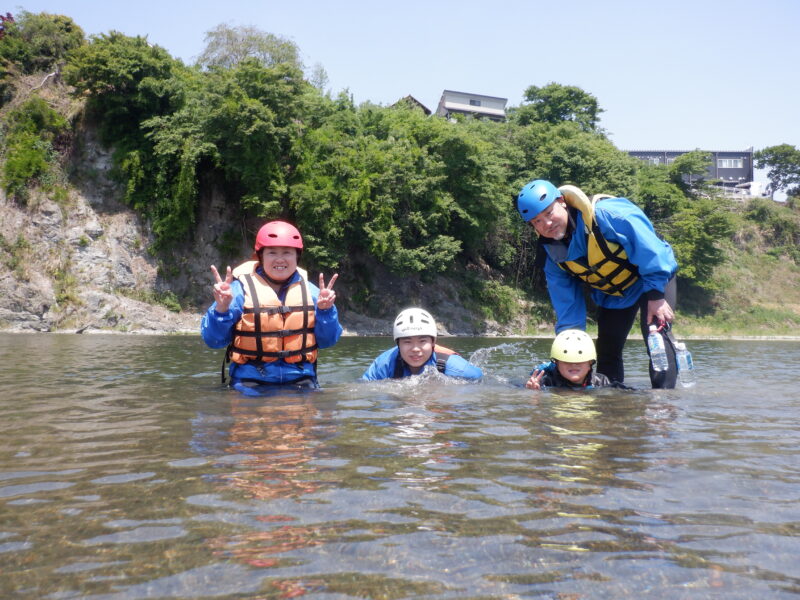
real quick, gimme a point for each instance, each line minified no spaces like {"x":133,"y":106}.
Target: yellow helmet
{"x":573,"y":345}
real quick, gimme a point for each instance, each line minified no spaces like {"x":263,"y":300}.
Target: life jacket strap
{"x":304,"y":291}
{"x":605,"y":283}
{"x":257,"y":316}
{"x":442,"y":356}
{"x":279,"y":354}
{"x":612,"y":256}
{"x":274,"y":310}
{"x":259,"y":335}
{"x":279,"y":334}
{"x":225,"y":360}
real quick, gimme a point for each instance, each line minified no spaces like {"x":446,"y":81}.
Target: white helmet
{"x":414,"y":321}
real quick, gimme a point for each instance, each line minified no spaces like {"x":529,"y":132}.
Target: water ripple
{"x":150,"y":481}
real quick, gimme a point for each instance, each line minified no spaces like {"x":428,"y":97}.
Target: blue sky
{"x":679,"y":74}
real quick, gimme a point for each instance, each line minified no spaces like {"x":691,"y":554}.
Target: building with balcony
{"x":476,"y":105}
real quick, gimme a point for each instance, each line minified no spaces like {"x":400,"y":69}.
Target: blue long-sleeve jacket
{"x":620,"y":221}
{"x":217,"y":330}
{"x":383,"y":366}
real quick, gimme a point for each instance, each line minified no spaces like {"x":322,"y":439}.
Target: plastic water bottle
{"x":686,"y":372}
{"x":658,"y":353}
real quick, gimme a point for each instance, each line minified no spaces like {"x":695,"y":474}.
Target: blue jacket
{"x":620,"y":221}
{"x":383,"y":367}
{"x":217,"y":330}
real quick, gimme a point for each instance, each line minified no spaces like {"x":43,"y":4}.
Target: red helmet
{"x":278,"y":233}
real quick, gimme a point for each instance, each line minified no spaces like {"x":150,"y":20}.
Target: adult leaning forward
{"x":270,"y":318}
{"x":611,"y":245}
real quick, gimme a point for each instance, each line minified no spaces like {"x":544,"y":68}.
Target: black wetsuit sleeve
{"x":600,"y":380}
{"x":549,"y":380}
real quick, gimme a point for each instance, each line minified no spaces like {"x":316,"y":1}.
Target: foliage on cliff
{"x":419,"y":195}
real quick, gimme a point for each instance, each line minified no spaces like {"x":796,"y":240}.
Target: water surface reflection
{"x":144,"y":479}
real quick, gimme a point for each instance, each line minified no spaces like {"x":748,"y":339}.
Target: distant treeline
{"x":420,"y":194}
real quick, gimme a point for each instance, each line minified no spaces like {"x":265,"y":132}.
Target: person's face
{"x":279,"y":262}
{"x":552,"y":221}
{"x":574,"y":372}
{"x":416,"y":350}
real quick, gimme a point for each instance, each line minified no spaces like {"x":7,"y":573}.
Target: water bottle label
{"x":658,"y":355}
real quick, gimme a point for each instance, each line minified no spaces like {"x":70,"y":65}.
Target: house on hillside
{"x":476,"y":105}
{"x":413,"y":103}
{"x":733,"y":169}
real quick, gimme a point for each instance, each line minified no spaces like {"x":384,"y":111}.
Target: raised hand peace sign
{"x":222,"y":289}
{"x":535,"y":382}
{"x":327,"y":297}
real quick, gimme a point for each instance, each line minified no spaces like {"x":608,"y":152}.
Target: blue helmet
{"x":535,"y":197}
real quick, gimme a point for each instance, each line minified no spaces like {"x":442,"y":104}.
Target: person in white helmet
{"x":573,"y":356}
{"x":415,"y":335}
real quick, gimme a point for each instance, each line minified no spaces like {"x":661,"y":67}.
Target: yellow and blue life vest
{"x":606,"y":266}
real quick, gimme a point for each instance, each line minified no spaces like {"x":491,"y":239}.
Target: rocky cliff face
{"x":79,"y":261}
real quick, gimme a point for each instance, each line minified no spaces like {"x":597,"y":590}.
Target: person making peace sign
{"x":270,"y":318}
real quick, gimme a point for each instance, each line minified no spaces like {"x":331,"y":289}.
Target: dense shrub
{"x":28,"y":154}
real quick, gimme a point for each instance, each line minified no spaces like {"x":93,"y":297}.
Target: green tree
{"x":656,"y":193}
{"x":318,"y":77}
{"x":695,"y":225}
{"x":689,"y":171}
{"x":34,"y":43}
{"x":126,"y":80}
{"x":129,"y":83}
{"x":28,"y":152}
{"x":253,"y":122}
{"x":38,"y":42}
{"x":364,"y":185}
{"x":565,"y":153}
{"x":783,"y":164}
{"x":235,"y":125}
{"x":697,"y":232}
{"x":414,"y":192}
{"x":228,"y":46}
{"x":555,"y":103}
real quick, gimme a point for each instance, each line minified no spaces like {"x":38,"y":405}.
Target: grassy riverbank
{"x":756,"y":294}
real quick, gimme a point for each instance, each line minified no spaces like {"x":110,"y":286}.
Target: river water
{"x":127,"y":471}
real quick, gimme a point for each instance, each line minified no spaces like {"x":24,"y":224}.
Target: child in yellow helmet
{"x":571,"y":366}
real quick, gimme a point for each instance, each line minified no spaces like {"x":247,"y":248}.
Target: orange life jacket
{"x":270,"y":330}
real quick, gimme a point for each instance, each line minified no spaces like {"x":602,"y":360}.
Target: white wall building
{"x":477,"y":105}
